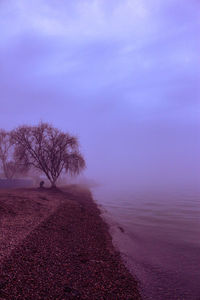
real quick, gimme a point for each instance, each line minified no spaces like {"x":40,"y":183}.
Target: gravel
{"x":69,"y":255}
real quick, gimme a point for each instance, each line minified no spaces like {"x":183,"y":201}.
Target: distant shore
{"x":55,"y":245}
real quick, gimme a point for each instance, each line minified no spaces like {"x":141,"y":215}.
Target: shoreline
{"x":69,"y":255}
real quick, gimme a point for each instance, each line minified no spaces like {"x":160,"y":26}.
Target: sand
{"x":56,"y":246}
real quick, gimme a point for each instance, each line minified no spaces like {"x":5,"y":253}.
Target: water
{"x":161,"y":238}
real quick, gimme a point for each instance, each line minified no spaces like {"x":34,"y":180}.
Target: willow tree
{"x":10,"y":164}
{"x":48,"y":149}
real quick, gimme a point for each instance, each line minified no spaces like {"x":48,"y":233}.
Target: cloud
{"x":86,"y":19}
{"x":111,"y":71}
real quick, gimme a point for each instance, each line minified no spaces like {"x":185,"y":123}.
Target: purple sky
{"x":123,"y":75}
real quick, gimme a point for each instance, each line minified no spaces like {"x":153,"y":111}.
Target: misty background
{"x":121,"y":75}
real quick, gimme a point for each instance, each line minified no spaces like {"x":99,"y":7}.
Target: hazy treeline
{"x":39,"y":150}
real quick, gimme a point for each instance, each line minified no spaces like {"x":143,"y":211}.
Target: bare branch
{"x":48,"y":149}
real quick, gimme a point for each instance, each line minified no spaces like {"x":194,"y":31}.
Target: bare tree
{"x":11,"y":166}
{"x":48,"y":150}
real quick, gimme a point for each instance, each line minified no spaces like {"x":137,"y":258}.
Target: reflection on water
{"x":161,"y":242}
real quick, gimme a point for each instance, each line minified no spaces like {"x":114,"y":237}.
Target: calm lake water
{"x":161,"y":238}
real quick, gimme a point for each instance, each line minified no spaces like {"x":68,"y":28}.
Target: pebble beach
{"x":64,"y":252}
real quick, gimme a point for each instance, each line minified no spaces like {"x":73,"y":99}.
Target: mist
{"x":122,"y":76}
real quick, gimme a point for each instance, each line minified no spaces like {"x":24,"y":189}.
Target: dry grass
{"x":21,"y":210}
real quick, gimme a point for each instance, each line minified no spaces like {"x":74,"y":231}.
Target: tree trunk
{"x":53,"y":184}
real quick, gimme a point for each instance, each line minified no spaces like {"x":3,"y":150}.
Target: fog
{"x":123,"y":76}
